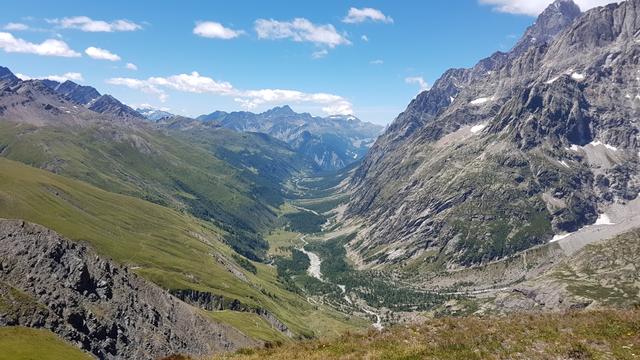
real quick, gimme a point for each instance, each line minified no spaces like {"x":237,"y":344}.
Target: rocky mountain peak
{"x":284,"y":110}
{"x":555,"y":18}
{"x":107,"y":104}
{"x":78,"y":93}
{"x":6,"y":75}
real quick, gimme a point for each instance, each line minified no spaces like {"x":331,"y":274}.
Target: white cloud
{"x":194,"y":83}
{"x":49,"y":47}
{"x":356,"y":16}
{"x":331,"y":104}
{"x":300,"y":29}
{"x":151,"y":107}
{"x":73,"y":76}
{"x":417,"y":80}
{"x":364,"y":38}
{"x":535,"y":7}
{"x":320,"y":54}
{"x":131,"y":66}
{"x":101,"y":54}
{"x":249,"y":99}
{"x":376,"y":62}
{"x":87,"y":24}
{"x":214,"y":30}
{"x":142,"y":85}
{"x":23,"y":76}
{"x":16,"y":26}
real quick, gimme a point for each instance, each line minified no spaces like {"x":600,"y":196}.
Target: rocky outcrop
{"x":90,"y":98}
{"x":602,"y":275}
{"x":107,"y":104}
{"x":48,"y":281}
{"x":208,"y":301}
{"x":501,"y":157}
{"x":552,"y":21}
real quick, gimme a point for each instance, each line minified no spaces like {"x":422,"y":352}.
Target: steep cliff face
{"x":48,"y":281}
{"x":525,"y":146}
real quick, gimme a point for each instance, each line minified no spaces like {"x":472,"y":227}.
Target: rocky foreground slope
{"x":48,"y":281}
{"x":522,"y":149}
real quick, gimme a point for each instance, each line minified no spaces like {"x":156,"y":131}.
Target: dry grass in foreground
{"x":607,"y":334}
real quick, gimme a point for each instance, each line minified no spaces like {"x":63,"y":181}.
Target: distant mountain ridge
{"x":153,"y":114}
{"x":91,"y":99}
{"x":330,"y":142}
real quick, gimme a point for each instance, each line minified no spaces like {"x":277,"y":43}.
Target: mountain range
{"x":524,"y":148}
{"x":332,"y":143}
{"x":511,"y":186}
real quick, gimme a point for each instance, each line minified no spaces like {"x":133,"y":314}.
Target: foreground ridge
{"x":570,"y":335}
{"x":48,"y":281}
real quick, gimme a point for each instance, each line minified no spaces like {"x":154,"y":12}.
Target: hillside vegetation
{"x":18,"y":343}
{"x":229,"y":178}
{"x":172,"y":249}
{"x":574,"y":335}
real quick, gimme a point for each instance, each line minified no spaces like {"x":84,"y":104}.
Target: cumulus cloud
{"x":331,"y":104}
{"x":535,"y":7}
{"x":141,"y":85}
{"x":131,"y":66}
{"x":249,"y":99}
{"x":16,"y":26}
{"x":214,"y":30}
{"x":376,"y":62}
{"x":151,"y":107}
{"x":101,"y":54}
{"x":87,"y":24}
{"x":356,"y":16}
{"x":320,"y":54}
{"x":417,"y":80}
{"x":73,"y":76}
{"x":49,"y":47}
{"x":364,"y":38}
{"x":300,"y":30}
{"x":22,"y":76}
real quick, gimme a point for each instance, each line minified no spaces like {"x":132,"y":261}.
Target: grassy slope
{"x":18,"y":343}
{"x":152,"y":166}
{"x":580,"y":335}
{"x":172,"y":249}
{"x":252,"y":324}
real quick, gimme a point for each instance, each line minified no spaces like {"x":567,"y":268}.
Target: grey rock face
{"x":600,"y":275}
{"x":78,"y":93}
{"x":500,"y":157}
{"x":90,"y":98}
{"x":6,"y":76}
{"x":103,"y":308}
{"x":331,"y":143}
{"x":107,"y":104}
{"x":553,"y":20}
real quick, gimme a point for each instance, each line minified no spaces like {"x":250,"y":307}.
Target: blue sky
{"x":194,"y":57}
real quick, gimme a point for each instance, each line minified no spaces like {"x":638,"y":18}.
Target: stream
{"x":314,"y":261}
{"x":314,"y":271}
